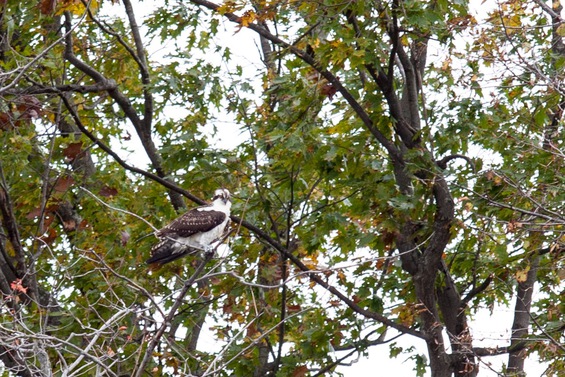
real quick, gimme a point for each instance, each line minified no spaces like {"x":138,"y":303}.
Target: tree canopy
{"x":396,"y":167}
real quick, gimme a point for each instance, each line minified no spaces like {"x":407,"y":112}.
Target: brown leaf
{"x":293,"y":308}
{"x":49,"y":236}
{"x":108,"y":191}
{"x":336,"y":302}
{"x":28,"y":107}
{"x":47,"y":6}
{"x":63,"y":183}
{"x":83,"y":225}
{"x":300,"y":371}
{"x":252,"y":331}
{"x":36,"y":212}
{"x":48,"y":218}
{"x":328,"y":90}
{"x":72,"y":151}
{"x":5,"y":121}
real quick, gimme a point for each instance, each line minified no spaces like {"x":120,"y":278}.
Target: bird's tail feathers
{"x":167,"y":251}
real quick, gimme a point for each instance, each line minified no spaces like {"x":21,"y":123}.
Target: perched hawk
{"x":195,"y":230}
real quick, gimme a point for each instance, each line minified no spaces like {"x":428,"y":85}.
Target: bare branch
{"x":140,"y":369}
{"x":41,"y":89}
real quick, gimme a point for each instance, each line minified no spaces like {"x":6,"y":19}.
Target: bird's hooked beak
{"x":222,"y":194}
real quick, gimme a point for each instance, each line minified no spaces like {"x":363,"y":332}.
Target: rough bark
{"x":521,"y":323}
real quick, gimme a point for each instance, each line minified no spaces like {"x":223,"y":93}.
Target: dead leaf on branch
{"x":300,"y":371}
{"x":72,"y":151}
{"x":49,"y":236}
{"x":108,"y":192}
{"x":328,"y":90}
{"x":17,"y":286}
{"x":63,"y":183}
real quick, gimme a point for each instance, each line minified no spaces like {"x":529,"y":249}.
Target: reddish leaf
{"x":293,"y":308}
{"x":47,"y":6}
{"x":49,"y":236}
{"x":5,"y":121}
{"x":36,"y":212}
{"x":17,"y":286}
{"x":48,"y":218}
{"x":328,"y":90}
{"x":63,"y":183}
{"x":300,"y":371}
{"x":83,"y":225}
{"x":108,"y":191}
{"x":252,"y":331}
{"x":72,"y":151}
{"x":228,"y":305}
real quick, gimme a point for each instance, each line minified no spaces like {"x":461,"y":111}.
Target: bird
{"x":197,"y":229}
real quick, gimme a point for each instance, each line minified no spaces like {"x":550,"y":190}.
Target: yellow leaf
{"x":522,"y":275}
{"x":227,"y":7}
{"x":248,"y":18}
{"x":77,"y":7}
{"x":446,"y":64}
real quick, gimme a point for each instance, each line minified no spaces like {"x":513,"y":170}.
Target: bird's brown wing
{"x":192,"y":222}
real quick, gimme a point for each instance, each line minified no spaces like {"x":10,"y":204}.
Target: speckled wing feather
{"x":192,"y":222}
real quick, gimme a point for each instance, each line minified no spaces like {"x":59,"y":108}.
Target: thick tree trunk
{"x":453,"y":313}
{"x":521,"y":323}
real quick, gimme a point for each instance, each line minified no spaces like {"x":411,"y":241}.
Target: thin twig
{"x":43,"y":53}
{"x":118,"y":209}
{"x":255,"y":341}
{"x":167,"y":320}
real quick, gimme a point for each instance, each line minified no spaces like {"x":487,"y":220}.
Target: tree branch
{"x":394,"y":153}
{"x":126,"y":106}
{"x":167,"y":320}
{"x":442,"y":164}
{"x":256,"y":230}
{"x":476,"y":290}
{"x":143,"y":67}
{"x":57,"y":89}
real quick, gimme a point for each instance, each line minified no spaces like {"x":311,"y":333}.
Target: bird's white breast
{"x":206,"y":238}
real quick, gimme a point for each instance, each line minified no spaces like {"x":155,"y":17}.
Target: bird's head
{"x":222,"y":194}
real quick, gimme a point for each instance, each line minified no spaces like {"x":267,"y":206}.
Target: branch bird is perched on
{"x":197,"y":229}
